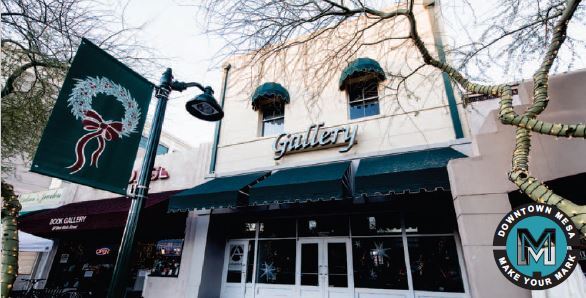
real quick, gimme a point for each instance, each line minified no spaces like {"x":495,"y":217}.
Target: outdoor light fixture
{"x":205,"y":106}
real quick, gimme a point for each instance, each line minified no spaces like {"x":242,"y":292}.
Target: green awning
{"x":305,"y":184}
{"x":269,"y":91}
{"x":222,"y":192}
{"x":409,"y":172}
{"x":361,"y":66}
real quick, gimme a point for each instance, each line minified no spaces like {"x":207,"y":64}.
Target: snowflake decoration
{"x":82,"y":94}
{"x":380,"y":251}
{"x":372,"y":275}
{"x":268,"y":271}
{"x":357,"y":243}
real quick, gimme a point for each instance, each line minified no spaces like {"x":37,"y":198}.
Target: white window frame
{"x":362,"y":100}
{"x":270,"y":119}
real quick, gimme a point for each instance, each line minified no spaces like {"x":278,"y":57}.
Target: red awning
{"x":88,"y":215}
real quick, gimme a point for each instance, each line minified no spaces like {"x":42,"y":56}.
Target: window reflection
{"x":273,"y":119}
{"x":363,"y":98}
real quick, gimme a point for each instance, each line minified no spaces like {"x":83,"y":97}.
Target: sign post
{"x":204,"y":107}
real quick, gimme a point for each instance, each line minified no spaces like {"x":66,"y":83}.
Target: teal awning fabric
{"x":220,"y":192}
{"x":270,"y":89}
{"x":361,"y":66}
{"x":408,"y":172}
{"x":305,"y":184}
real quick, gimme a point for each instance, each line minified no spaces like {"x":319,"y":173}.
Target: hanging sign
{"x":102,"y":251}
{"x":316,"y":138}
{"x":47,"y":199}
{"x":95,"y":128}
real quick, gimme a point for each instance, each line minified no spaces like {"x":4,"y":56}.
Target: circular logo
{"x":533,"y":246}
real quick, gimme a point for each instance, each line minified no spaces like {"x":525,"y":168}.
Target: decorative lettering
{"x":315,"y":138}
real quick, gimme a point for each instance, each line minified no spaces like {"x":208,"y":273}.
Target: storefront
{"x":87,"y":236}
{"x":380,"y":226}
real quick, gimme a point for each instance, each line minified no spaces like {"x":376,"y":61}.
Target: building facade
{"x":355,"y":192}
{"x":345,"y":194}
{"x":85,"y":226}
{"x":359,"y":193}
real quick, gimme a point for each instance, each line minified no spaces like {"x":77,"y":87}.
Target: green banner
{"x":93,"y":133}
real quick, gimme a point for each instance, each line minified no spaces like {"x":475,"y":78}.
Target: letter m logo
{"x":543,"y":247}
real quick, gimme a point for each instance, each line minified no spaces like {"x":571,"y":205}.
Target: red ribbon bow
{"x":98,"y":129}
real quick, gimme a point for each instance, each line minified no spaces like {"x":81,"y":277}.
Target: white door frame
{"x":323,"y":278}
{"x":226,"y":286}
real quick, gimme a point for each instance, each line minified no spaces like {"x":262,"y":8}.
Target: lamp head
{"x":205,"y":106}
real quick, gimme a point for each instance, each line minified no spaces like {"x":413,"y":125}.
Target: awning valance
{"x":86,"y":215}
{"x":312,"y":183}
{"x":220,"y":192}
{"x":29,"y":242}
{"x":269,"y":91}
{"x":408,"y":172}
{"x":361,"y":66}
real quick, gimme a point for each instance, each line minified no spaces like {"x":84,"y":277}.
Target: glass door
{"x":323,"y":268}
{"x":310,"y":268}
{"x":234,"y":276}
{"x":338,"y":280}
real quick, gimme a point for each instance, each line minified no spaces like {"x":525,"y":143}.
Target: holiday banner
{"x":93,"y":133}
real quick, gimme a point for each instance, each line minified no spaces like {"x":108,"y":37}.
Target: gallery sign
{"x":316,"y":138}
{"x":48,"y":199}
{"x":66,"y":223}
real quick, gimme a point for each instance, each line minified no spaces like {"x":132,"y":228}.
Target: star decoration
{"x":268,"y":271}
{"x":357,"y":243}
{"x":380,"y":251}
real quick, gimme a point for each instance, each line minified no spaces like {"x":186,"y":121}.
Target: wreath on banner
{"x":80,"y":101}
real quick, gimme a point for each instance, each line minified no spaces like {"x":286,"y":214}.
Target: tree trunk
{"x":10,"y":208}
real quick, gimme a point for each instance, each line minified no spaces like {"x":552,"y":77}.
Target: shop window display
{"x":167,"y":258}
{"x":434,"y":264}
{"x":379,"y":262}
{"x":276,"y":262}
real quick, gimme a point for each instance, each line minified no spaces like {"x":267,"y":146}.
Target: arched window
{"x":360,"y":79}
{"x":270,"y":99}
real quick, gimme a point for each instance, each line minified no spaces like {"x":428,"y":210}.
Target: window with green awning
{"x":270,"y":93}
{"x":359,"y":67}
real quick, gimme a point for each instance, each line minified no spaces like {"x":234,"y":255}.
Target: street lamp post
{"x":204,"y":107}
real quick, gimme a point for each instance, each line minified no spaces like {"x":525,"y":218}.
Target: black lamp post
{"x":203,"y":106}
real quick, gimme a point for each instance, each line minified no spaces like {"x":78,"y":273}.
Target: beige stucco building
{"x":337,"y":186}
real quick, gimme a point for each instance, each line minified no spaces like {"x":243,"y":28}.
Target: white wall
{"x":419,"y":118}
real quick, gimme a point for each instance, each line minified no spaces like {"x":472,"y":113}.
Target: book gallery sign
{"x":315,"y":138}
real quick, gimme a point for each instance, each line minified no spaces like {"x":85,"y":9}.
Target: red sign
{"x":103,"y":251}
{"x":156,"y":174}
